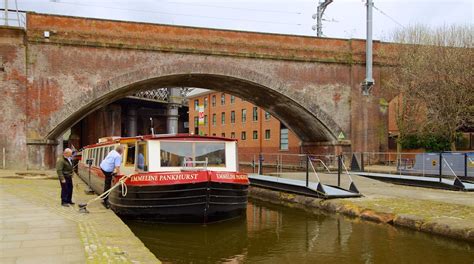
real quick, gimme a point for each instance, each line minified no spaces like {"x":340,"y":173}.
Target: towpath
{"x":35,"y":228}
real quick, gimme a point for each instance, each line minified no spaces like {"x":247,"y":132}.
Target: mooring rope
{"x":121,"y":182}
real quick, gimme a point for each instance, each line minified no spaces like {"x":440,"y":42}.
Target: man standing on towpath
{"x":64,"y":169}
{"x":111,"y":166}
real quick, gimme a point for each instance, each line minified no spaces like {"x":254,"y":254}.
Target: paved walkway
{"x":35,"y":228}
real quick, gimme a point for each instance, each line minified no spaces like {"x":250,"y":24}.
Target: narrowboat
{"x":171,"y":178}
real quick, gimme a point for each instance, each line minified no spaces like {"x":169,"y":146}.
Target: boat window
{"x":142,"y":157}
{"x":192,"y":154}
{"x":95,"y":157}
{"x":130,"y":161}
{"x":105,"y":152}
{"x":84,"y":156}
{"x":174,"y":154}
{"x":214,"y":152}
{"x":100,"y":156}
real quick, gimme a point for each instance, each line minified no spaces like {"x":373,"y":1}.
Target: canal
{"x":275,"y":234}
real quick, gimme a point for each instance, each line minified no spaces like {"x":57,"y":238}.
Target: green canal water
{"x":274,"y":234}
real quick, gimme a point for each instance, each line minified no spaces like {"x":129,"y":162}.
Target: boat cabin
{"x":167,"y":153}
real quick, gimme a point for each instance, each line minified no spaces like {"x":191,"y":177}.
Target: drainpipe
{"x":369,"y":81}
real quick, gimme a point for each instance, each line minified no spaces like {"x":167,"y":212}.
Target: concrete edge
{"x":316,"y":205}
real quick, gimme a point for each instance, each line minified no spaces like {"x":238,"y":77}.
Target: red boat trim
{"x":176,"y":177}
{"x":167,"y":178}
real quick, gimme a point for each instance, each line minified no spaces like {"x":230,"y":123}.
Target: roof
{"x":197,"y":91}
{"x":179,"y":137}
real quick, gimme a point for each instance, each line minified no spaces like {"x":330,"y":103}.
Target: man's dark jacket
{"x":63,"y":168}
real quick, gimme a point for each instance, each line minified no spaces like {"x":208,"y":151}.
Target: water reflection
{"x":271,"y":234}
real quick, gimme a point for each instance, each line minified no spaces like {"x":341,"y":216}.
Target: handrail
{"x":317,"y":176}
{"x":323,"y":164}
{"x":345,"y":168}
{"x":451,"y":169}
{"x":20,"y":14}
{"x":194,"y":162}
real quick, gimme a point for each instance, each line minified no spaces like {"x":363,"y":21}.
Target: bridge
{"x":59,"y":69}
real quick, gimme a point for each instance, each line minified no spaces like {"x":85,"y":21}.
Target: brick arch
{"x":305,"y":118}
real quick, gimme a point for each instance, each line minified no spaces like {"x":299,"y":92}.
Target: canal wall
{"x":446,"y":219}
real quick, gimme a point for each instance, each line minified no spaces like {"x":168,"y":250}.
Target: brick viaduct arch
{"x":311,"y":84}
{"x":305,"y":118}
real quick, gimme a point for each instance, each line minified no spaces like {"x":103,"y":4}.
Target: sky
{"x":344,"y":18}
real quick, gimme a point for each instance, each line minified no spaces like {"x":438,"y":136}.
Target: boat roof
{"x":176,"y":137}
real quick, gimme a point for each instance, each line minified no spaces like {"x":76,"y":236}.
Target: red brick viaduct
{"x":311,"y":84}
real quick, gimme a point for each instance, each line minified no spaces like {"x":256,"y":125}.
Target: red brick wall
{"x":13,"y":89}
{"x":88,"y":63}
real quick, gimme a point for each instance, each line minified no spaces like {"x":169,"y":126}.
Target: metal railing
{"x":12,"y":17}
{"x":192,"y":164}
{"x":290,"y":166}
{"x":447,"y":164}
{"x":453,"y":165}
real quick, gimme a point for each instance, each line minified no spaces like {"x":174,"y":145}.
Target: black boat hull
{"x":184,"y":203}
{"x":201,"y":202}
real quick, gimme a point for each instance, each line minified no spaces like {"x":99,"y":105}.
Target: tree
{"x":434,"y":79}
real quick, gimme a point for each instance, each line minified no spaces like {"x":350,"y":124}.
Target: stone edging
{"x":441,"y":226}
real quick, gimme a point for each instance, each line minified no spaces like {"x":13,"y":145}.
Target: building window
{"x":196,"y":121}
{"x":232,"y":135}
{"x":232,"y":99}
{"x":223,"y":99}
{"x":243,"y":136}
{"x":255,"y":134}
{"x":244,"y":115}
{"x":267,"y":115}
{"x":284,"y":138}
{"x":205,"y":102}
{"x":223,"y":118}
{"x":255,"y":114}
{"x":196,"y":104}
{"x":232,"y":117}
{"x":267,"y":134}
{"x":205,"y":120}
{"x":213,"y":134}
{"x":214,"y":119}
{"x":222,"y":134}
{"x":213,"y":100}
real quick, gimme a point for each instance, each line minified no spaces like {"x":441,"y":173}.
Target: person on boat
{"x":111,"y":166}
{"x":64,"y":169}
{"x":141,"y":161}
{"x":189,"y":162}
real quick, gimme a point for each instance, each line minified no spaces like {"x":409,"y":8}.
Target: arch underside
{"x":309,"y":123}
